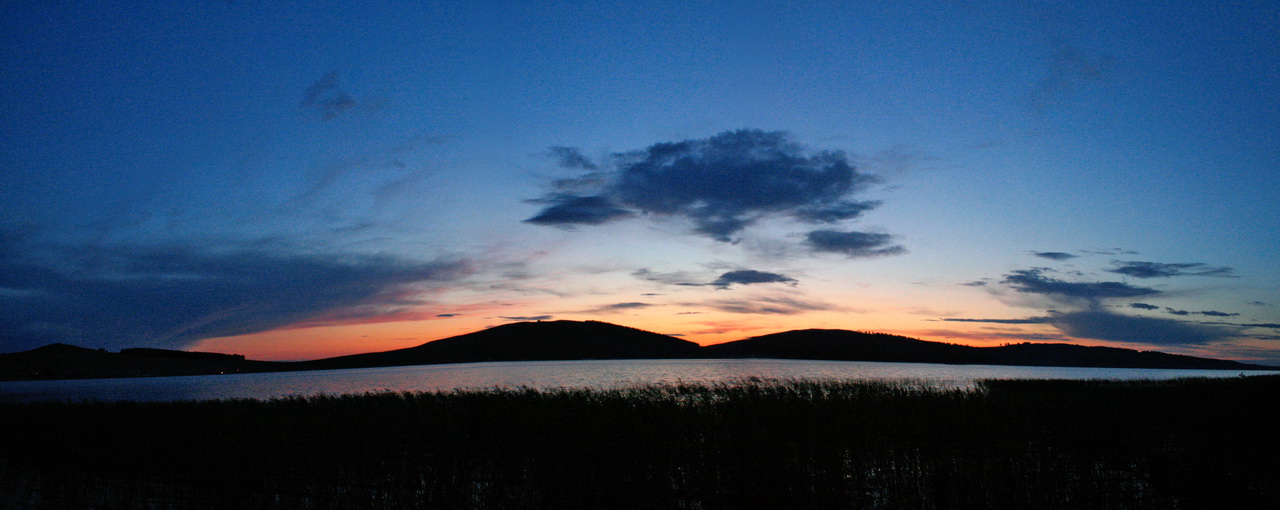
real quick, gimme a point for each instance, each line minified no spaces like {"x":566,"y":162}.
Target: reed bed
{"x":1193,"y":443}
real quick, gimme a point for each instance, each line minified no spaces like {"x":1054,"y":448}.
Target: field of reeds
{"x":1189,"y":443}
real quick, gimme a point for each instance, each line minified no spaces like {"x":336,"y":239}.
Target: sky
{"x":297,"y":180}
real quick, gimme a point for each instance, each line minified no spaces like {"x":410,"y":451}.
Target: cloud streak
{"x":526,"y":318}
{"x":853,"y":244}
{"x":766,"y":305}
{"x":1034,"y":281}
{"x":1101,"y":325}
{"x":1085,"y":314}
{"x":1104,"y":325}
{"x":171,"y":297}
{"x":1054,"y":255}
{"x":1141,"y":269}
{"x":617,"y":307}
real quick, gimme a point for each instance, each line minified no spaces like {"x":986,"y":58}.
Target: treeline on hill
{"x":1191,"y":443}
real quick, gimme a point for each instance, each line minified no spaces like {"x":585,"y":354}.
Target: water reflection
{"x":548,"y":374}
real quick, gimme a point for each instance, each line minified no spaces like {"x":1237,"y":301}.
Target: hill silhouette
{"x":528,"y":341}
{"x":573,"y":340}
{"x":837,"y":344}
{"x":62,"y":361}
{"x":833,"y":344}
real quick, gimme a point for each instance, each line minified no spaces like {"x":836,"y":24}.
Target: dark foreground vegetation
{"x":1191,"y":443}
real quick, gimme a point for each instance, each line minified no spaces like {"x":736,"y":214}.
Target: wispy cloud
{"x":617,"y":307}
{"x":526,"y":318}
{"x":571,"y":157}
{"x":1028,"y":320}
{"x":767,"y":305}
{"x":173,"y":296}
{"x":1208,"y":313}
{"x":679,"y":278}
{"x":1070,"y":68}
{"x":327,"y":98}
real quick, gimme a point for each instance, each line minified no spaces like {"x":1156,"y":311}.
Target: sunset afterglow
{"x":298,"y":181}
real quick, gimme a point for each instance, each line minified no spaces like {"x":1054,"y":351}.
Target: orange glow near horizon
{"x":323,"y":339}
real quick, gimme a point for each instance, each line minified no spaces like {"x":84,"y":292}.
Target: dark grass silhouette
{"x":1193,"y":443}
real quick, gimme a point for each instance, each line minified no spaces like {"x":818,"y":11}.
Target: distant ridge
{"x":838,"y":344}
{"x":527,"y":341}
{"x":62,"y":361}
{"x":833,"y":344}
{"x":572,"y":340}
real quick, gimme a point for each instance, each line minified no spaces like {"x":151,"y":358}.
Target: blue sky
{"x":300,"y":179}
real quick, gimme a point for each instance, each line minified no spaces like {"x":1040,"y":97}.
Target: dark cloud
{"x":1087,"y":315}
{"x":1101,"y":325}
{"x":1054,"y":255}
{"x":326,"y":97}
{"x":722,"y":184}
{"x":1033,"y":281}
{"x":526,"y":318}
{"x":447,"y":315}
{"x":854,"y":244}
{"x":976,"y":283}
{"x":749,"y":277}
{"x":172,"y":297}
{"x":1112,"y":251}
{"x":572,"y":210}
{"x":1139,"y":269}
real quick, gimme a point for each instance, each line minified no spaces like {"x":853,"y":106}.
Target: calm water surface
{"x":548,"y":374}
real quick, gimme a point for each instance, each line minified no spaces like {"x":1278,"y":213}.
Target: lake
{"x":549,"y":374}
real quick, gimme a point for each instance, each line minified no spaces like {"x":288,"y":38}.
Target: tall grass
{"x":1199,"y":443}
